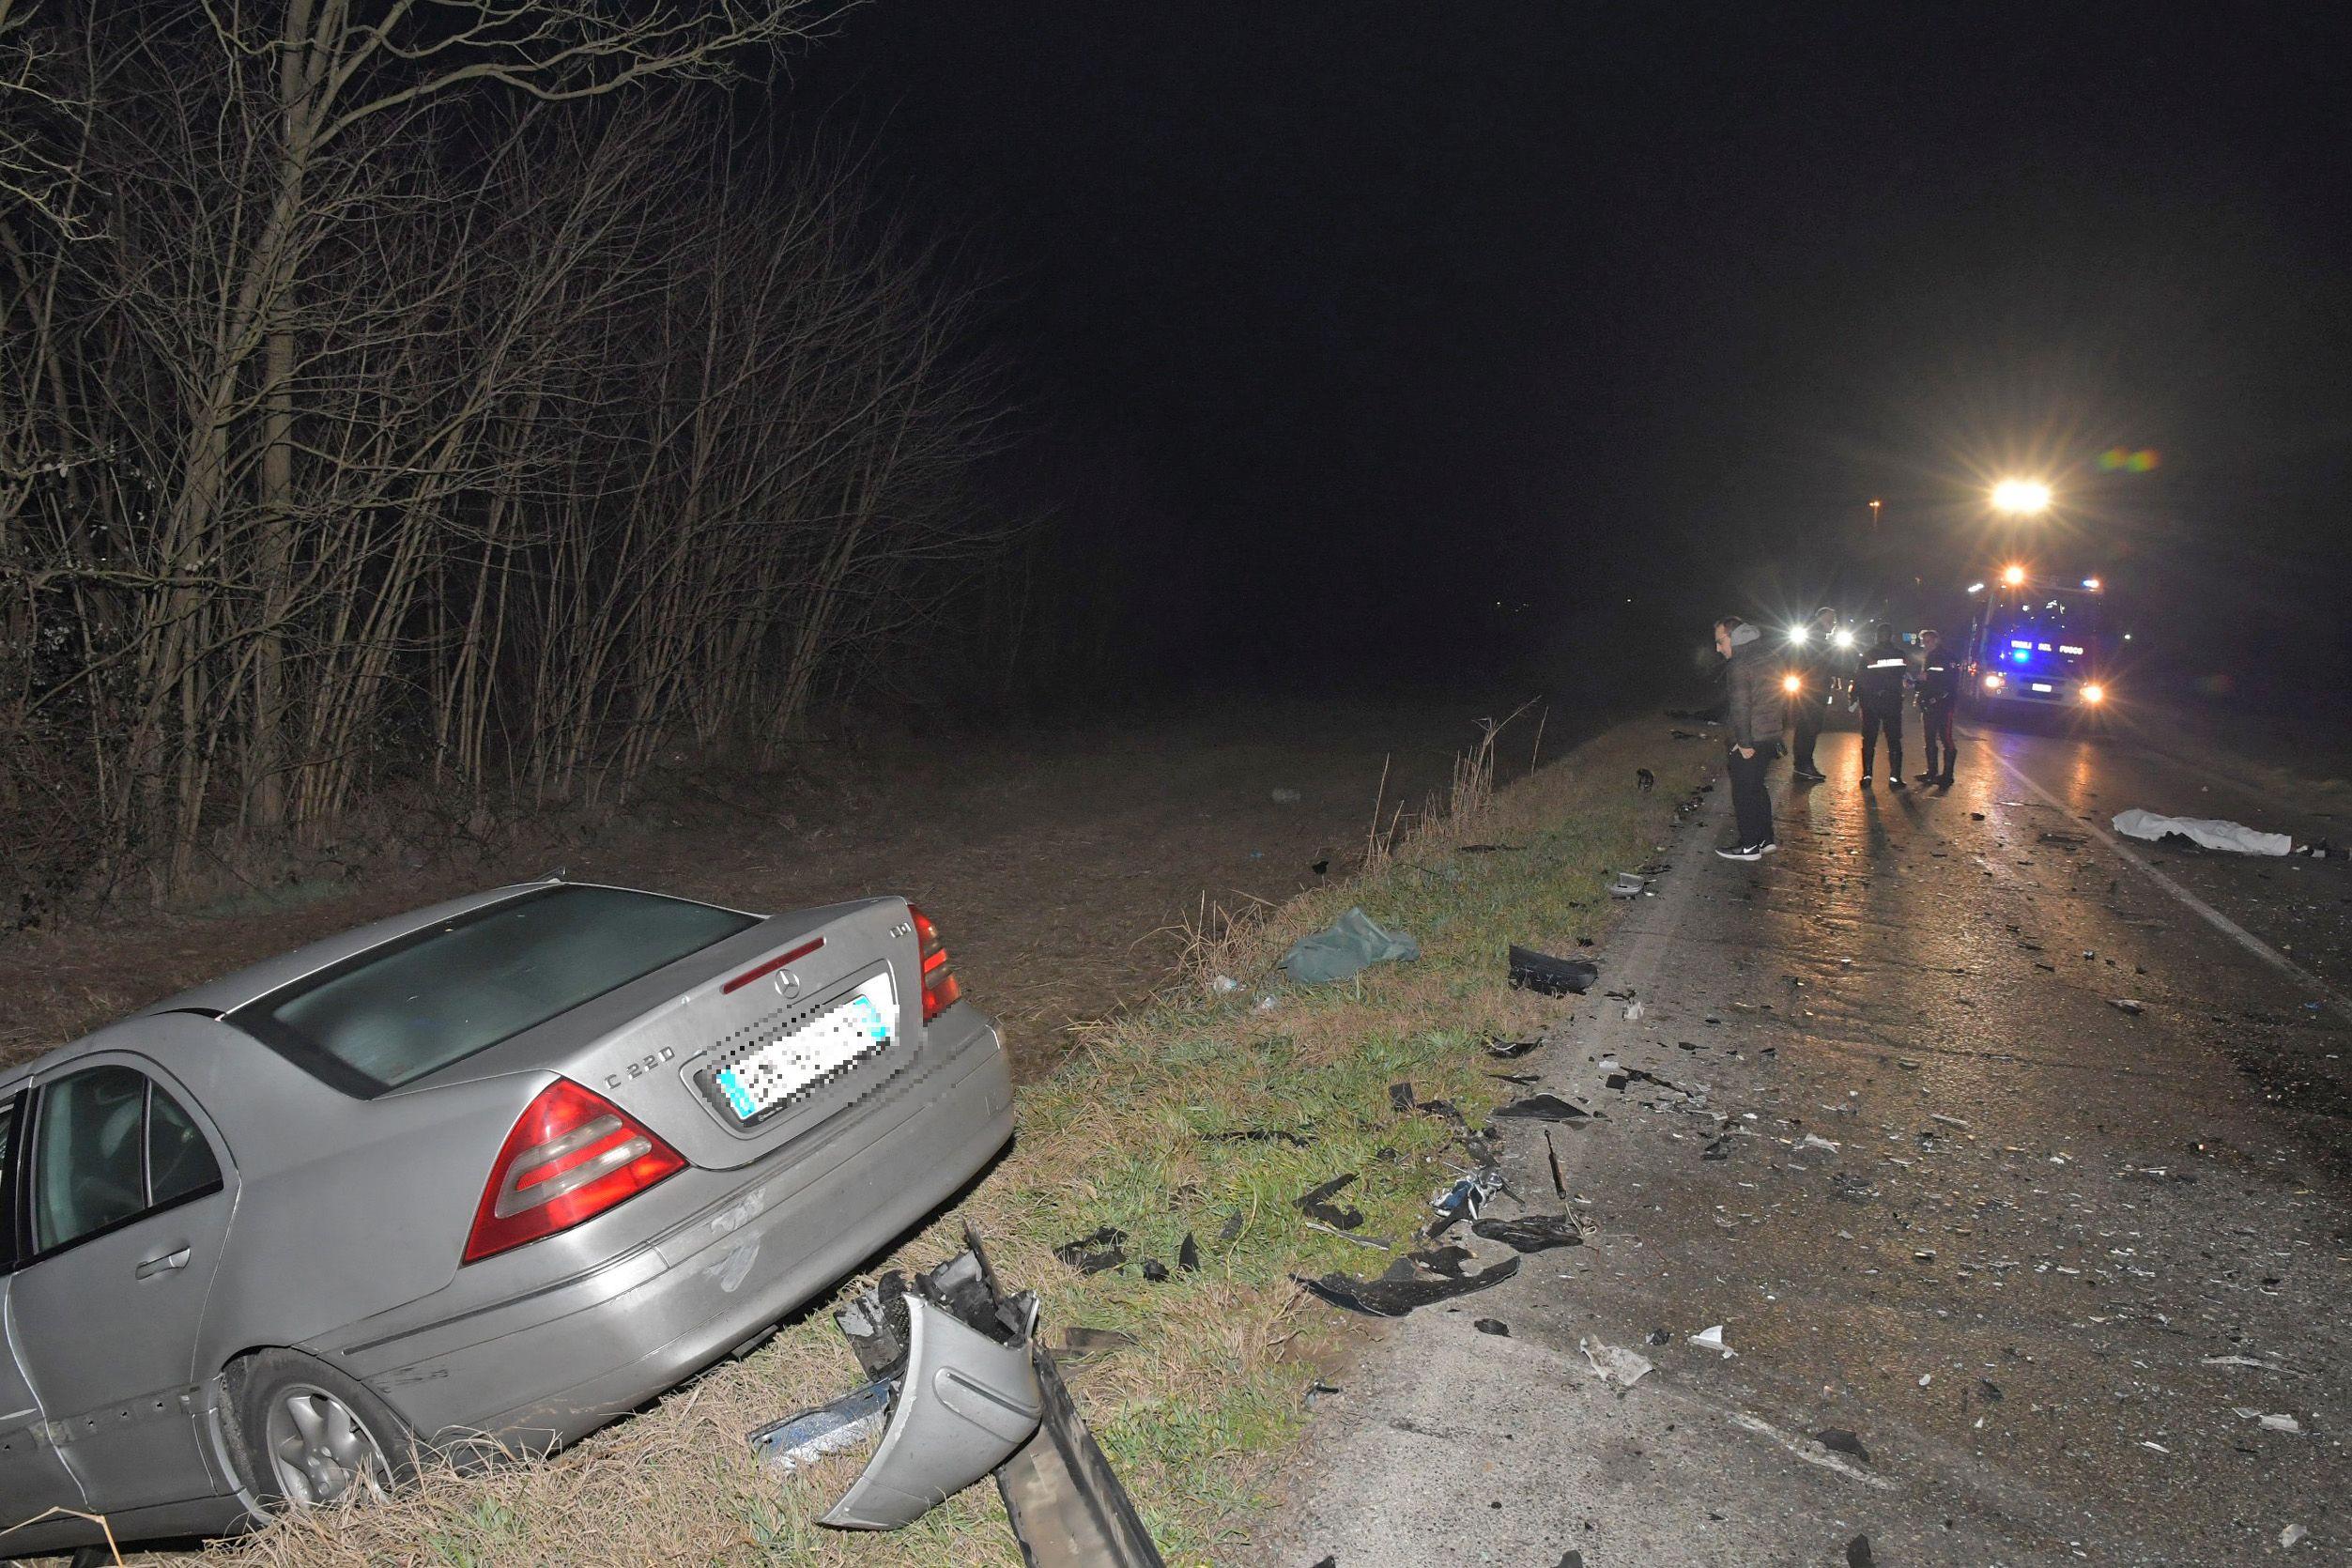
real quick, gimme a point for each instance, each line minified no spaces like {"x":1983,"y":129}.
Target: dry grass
{"x":1196,"y":1413}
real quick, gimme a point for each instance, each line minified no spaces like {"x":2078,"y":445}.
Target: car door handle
{"x":164,"y":1264}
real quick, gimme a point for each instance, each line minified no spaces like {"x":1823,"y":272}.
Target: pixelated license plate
{"x":853,"y":1030}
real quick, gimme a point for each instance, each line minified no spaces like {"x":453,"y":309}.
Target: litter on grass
{"x":1316,"y":1204}
{"x":1509,"y":1050}
{"x":1350,"y":944}
{"x":1401,"y":1288}
{"x":1614,"y":1363}
{"x":1626,"y":885}
{"x":2210,"y":832}
{"x":1546,"y":975}
{"x":1105,"y":1248}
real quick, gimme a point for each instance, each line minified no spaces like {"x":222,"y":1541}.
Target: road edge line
{"x":2206,"y":911}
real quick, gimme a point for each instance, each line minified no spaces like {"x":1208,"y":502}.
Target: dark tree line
{"x":437,"y":392}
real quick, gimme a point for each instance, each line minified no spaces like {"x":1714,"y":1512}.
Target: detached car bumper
{"x":550,"y":1367}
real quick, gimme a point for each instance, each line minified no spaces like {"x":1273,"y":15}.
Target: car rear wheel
{"x":305,"y":1435}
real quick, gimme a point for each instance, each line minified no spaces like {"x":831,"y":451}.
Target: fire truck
{"x":2036,"y":642}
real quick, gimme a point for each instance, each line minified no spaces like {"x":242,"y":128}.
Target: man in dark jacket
{"x":1814,"y":661}
{"x":1878,"y":678}
{"x":1753,"y":705}
{"x":1939,"y":693}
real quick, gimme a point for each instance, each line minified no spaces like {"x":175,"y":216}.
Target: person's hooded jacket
{"x":1752,"y":689}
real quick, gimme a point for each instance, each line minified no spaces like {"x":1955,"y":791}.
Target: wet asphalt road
{"x":2059,"y":1265}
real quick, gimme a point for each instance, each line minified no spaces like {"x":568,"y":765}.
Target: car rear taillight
{"x":572,"y":1155}
{"x":941,"y":989}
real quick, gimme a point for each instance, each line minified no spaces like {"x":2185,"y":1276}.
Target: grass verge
{"x":1127,"y":1134}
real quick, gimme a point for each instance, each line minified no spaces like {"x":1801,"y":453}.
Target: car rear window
{"x":392,"y":1014}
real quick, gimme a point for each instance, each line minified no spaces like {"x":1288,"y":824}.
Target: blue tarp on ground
{"x":1352,"y":944}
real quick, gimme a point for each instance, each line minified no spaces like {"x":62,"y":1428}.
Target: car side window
{"x":109,"y":1145}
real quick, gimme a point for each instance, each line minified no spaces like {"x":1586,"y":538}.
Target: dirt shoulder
{"x":1060,"y":862}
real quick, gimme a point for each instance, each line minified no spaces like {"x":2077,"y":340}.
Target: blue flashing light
{"x":2021,"y":656}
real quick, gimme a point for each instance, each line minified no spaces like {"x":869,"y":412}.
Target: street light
{"x":2021,"y":497}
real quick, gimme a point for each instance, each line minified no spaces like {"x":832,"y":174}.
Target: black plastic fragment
{"x":1838,"y":1440}
{"x":1542,"y":1107}
{"x":1443,"y":1260}
{"x":1560,"y":1183}
{"x":1263,"y":1135}
{"x":1507,"y":1050}
{"x":1546,"y":975}
{"x":1316,"y":1204}
{"x":1858,"y":1553}
{"x":1494,"y":1326}
{"x":1092,"y":1255}
{"x":1395,"y":1298}
{"x":1518,"y":1080}
{"x":1530,"y":1233}
{"x":1155,"y":1271}
{"x":1189,"y":1254}
{"x":1400,"y":1096}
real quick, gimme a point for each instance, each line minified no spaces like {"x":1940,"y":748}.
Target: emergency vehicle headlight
{"x":1798,"y":634}
{"x":1791,"y":684}
{"x":2094,"y":694}
{"x":1842,"y":637}
{"x":1994,"y":682}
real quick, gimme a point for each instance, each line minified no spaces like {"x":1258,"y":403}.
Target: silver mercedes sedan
{"x":497,"y":1171}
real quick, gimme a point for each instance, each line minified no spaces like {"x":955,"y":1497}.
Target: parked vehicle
{"x":2037,"y":644}
{"x":497,"y":1171}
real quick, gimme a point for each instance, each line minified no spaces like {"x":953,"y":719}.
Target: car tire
{"x":301,"y":1434}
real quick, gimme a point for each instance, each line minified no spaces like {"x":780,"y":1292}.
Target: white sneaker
{"x":1770,"y":846}
{"x":1742,"y":851}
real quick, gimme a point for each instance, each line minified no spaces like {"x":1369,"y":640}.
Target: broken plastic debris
{"x":1316,"y":1204}
{"x":1840,"y":1440}
{"x":846,"y":1424}
{"x":1858,"y":1553}
{"x":1400,"y":1096}
{"x":2210,"y":832}
{"x":1633,"y":1012}
{"x":1815,"y":1140}
{"x":1546,"y":975}
{"x":1224,"y":983}
{"x":1463,"y":1199}
{"x":2280,"y":1424}
{"x":1494,"y":1326}
{"x":1103,"y":1250}
{"x":1508,"y":1049}
{"x":1542,"y":1107}
{"x":1626,"y":885}
{"x":2128,"y":1004}
{"x":1531,"y":1233}
{"x":1349,"y":945}
{"x":1614,"y":1363}
{"x":1401,"y":1288}
{"x":1263,"y":1135}
{"x":1188,"y":1253}
{"x":1711,"y":1339}
{"x":2290,"y":1535}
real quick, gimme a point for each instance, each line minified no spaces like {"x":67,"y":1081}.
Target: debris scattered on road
{"x":1546,"y":975}
{"x":1447,"y":1260}
{"x":1626,"y":885}
{"x":2067,"y":838}
{"x":1401,"y":1288}
{"x":1613,"y":1364}
{"x":847,"y":1422}
{"x":1809,"y":1451}
{"x":1858,"y":1553}
{"x":2212,"y":832}
{"x":1510,"y":1050}
{"x":1321,"y":868}
{"x":1463,"y":1199}
{"x":1285,"y":797}
{"x":1815,"y":1140}
{"x":2128,"y":1004}
{"x":1711,"y":1339}
{"x":2292,"y":1534}
{"x":2280,"y":1424}
{"x":1840,"y":1440}
{"x":1316,"y":1204}
{"x":1494,"y":1326}
{"x":1346,"y":947}
{"x":1105,"y":1248}
{"x":1544,"y":1107}
{"x":1551,"y":1155}
{"x":1530,"y":1233}
{"x":1318,"y":1392}
{"x":1948,"y":1121}
{"x":1633,"y":1012}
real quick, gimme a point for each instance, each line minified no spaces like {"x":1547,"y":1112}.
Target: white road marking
{"x":2206,"y":911}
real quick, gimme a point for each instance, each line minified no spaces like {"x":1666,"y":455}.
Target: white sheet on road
{"x":2213,"y":833}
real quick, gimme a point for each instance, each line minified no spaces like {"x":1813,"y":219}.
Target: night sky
{"x":1348,"y":321}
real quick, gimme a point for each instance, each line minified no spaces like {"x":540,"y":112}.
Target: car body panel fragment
{"x":1067,"y":1506}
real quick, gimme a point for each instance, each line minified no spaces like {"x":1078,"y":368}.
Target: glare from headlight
{"x":1798,"y":634}
{"x":2094,"y":694}
{"x":1994,"y":681}
{"x":1842,"y":636}
{"x":1791,"y":684}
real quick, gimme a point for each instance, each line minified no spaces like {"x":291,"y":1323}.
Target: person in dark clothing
{"x":1814,"y":664}
{"x":1753,"y":705}
{"x":1939,"y":693}
{"x":1878,"y":678}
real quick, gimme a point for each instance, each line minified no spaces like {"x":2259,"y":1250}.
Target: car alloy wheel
{"x":320,"y":1449}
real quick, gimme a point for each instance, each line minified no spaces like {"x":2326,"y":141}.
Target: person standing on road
{"x":1939,"y":693}
{"x":1878,"y":678}
{"x":1753,"y":708}
{"x":1815,"y":665}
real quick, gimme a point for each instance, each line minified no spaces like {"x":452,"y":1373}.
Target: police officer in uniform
{"x":1878,"y":678}
{"x":1939,"y":693}
{"x":1814,"y":664}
